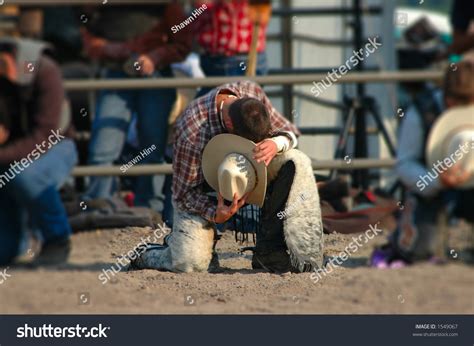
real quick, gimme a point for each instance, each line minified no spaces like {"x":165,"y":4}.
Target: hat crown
{"x":229,"y":167}
{"x":462,"y":140}
{"x":236,"y":175}
{"x":451,"y":141}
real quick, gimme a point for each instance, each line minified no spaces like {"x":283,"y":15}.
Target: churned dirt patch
{"x":350,"y":289}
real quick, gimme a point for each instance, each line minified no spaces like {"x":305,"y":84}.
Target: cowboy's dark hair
{"x":250,"y":119}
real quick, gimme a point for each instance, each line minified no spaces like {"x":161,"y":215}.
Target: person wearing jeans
{"x":133,"y":42}
{"x":241,"y":109}
{"x":418,"y":231}
{"x":36,"y":152}
{"x":31,"y":201}
{"x":115,"y":110}
{"x":225,"y":36}
{"x":232,"y":66}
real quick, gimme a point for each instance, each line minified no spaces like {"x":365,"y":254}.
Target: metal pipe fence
{"x":286,"y":80}
{"x":83,"y":2}
{"x":353,"y":164}
{"x":140,"y":83}
{"x":281,"y":79}
{"x":380,"y":77}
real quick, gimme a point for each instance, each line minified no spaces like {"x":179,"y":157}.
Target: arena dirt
{"x":351,"y":289}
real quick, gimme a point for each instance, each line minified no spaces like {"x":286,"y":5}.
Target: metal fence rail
{"x":140,"y":83}
{"x":85,"y":171}
{"x":83,"y":2}
{"x":386,"y":77}
{"x":287,"y":80}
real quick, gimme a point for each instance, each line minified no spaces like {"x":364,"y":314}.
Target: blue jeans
{"x":115,"y":109}
{"x":31,"y":200}
{"x":215,"y":66}
{"x":418,"y":239}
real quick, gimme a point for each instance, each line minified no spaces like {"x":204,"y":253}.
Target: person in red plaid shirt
{"x":224,"y":34}
{"x":240,"y":108}
{"x":226,"y":29}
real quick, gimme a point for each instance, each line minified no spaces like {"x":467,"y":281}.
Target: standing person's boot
{"x":53,"y":253}
{"x":49,"y":216}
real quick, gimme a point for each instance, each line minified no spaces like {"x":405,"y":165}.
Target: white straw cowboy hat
{"x":453,"y":128}
{"x":229,"y":167}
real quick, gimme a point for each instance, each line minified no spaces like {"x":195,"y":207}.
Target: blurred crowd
{"x":40,"y":47}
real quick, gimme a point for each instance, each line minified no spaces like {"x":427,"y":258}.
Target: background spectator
{"x":225,"y":36}
{"x":129,"y":42}
{"x":35,"y":156}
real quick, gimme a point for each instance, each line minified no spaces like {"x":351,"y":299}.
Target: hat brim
{"x":224,"y":144}
{"x":452,"y":121}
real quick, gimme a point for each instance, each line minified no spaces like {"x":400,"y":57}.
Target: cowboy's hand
{"x":455,"y":176}
{"x":224,"y":212}
{"x":265,"y":151}
{"x":147,"y":67}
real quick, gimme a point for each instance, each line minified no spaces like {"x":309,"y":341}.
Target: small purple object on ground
{"x":379,"y":259}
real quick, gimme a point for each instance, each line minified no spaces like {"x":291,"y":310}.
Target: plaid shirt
{"x":194,"y":129}
{"x":226,"y":29}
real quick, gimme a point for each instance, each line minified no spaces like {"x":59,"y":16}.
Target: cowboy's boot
{"x":271,"y":252}
{"x":214,"y":265}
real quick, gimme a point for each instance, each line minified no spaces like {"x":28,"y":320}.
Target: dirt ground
{"x":350,"y":289}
